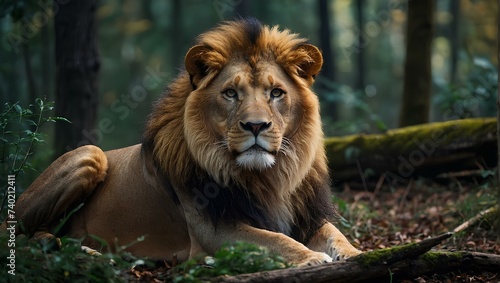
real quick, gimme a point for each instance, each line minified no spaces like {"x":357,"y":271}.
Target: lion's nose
{"x":255,"y":128}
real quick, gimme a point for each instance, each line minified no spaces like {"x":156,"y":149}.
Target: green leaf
{"x":18,"y":108}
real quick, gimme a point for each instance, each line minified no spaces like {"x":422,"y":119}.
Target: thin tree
{"x":360,"y":81}
{"x":77,"y":65}
{"x":177,"y":25}
{"x":325,"y":41}
{"x":418,"y":75}
{"x":454,"y":39}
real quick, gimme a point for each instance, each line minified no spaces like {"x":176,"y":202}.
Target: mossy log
{"x":428,"y":150}
{"x":396,"y":263}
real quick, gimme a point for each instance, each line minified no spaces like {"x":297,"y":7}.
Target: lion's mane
{"x":266,"y":199}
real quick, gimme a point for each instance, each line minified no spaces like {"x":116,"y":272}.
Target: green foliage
{"x":238,"y":258}
{"x":36,"y":263}
{"x":473,"y":97}
{"x":363,"y":118}
{"x":20,"y":133}
{"x":473,"y":203}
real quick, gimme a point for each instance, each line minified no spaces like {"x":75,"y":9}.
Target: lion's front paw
{"x":342,"y":251}
{"x":315,"y":258}
{"x":345,"y":254}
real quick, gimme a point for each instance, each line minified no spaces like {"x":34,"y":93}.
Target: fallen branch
{"x":475,"y":219}
{"x":403,"y":262}
{"x":352,"y":271}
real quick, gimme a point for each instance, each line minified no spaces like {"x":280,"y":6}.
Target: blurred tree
{"x":454,"y":38}
{"x":418,"y":75}
{"x":177,"y":28}
{"x":46,"y":62}
{"x":77,"y":65}
{"x":360,"y":80}
{"x":32,"y":88}
{"x":326,"y":48}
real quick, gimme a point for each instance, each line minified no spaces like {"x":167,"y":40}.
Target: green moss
{"x":435,"y":258}
{"x":383,"y":256}
{"x":395,"y":254}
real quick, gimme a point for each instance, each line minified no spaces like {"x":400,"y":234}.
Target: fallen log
{"x":421,"y":150}
{"x":396,"y":263}
{"x":352,"y":271}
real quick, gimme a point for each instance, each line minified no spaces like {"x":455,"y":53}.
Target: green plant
{"x":231,"y":259}
{"x":34,"y":263}
{"x":364,"y":118}
{"x":474,"y":96}
{"x":20,"y":134}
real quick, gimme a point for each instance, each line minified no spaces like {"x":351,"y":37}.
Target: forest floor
{"x":379,"y":216}
{"x":384,"y":217}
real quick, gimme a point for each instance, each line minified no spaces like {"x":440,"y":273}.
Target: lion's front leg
{"x":205,"y":237}
{"x":330,"y":240}
{"x":210,"y":239}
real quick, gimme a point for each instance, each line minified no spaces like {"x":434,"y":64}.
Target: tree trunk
{"x":32,"y":89}
{"x":46,"y":62}
{"x":77,"y":65}
{"x":325,"y":38}
{"x":177,"y":27}
{"x":454,"y":39}
{"x":418,"y":75}
{"x":360,"y":81}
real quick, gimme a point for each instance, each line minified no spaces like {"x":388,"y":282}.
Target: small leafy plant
{"x":20,"y":128}
{"x":34,"y":263}
{"x":473,"y":96}
{"x":20,"y":134}
{"x":231,"y":259}
{"x":364,"y":118}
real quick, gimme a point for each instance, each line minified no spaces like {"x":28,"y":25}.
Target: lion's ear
{"x":310,"y":62}
{"x":203,"y":63}
{"x":195,"y":65}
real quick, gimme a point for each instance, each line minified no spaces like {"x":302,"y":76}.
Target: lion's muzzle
{"x":257,"y":147}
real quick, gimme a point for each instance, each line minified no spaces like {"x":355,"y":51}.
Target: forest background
{"x":141,"y":46}
{"x":375,"y":52}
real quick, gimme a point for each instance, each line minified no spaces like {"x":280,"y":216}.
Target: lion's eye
{"x":230,"y":93}
{"x":277,"y":92}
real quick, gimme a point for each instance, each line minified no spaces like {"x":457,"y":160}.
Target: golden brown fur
{"x":233,"y":151}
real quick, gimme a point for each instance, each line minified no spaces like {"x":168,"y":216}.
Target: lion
{"x":233,"y":151}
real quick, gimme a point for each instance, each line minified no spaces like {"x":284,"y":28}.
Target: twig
{"x":362,"y":174}
{"x":405,"y":195}
{"x":378,"y":186}
{"x":475,"y":219}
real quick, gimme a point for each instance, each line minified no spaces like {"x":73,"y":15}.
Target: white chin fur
{"x":255,"y":159}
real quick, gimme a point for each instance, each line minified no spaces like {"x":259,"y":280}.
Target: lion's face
{"x":251,"y":107}
{"x":250,"y":113}
{"x":246,"y":112}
